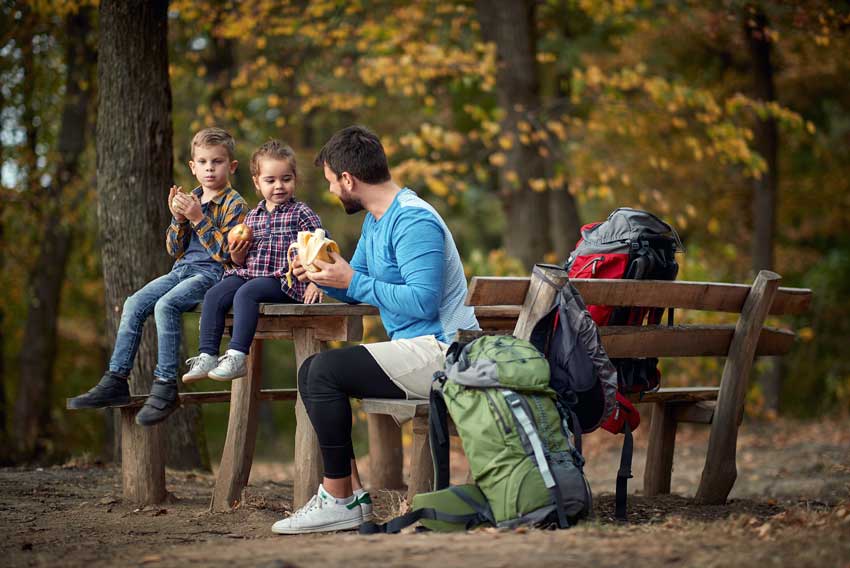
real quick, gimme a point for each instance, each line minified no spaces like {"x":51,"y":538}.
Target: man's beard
{"x":351,"y":204}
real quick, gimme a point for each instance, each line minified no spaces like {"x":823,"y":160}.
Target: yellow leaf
{"x":498,"y":159}
{"x":506,"y":141}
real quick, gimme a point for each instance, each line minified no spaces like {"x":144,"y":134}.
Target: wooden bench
{"x":517,"y":303}
{"x":310,"y":327}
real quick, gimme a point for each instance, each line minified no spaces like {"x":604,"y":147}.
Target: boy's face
{"x":275,"y":181}
{"x":212,"y":166}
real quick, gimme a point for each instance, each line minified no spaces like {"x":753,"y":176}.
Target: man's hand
{"x":172,"y":204}
{"x":239,"y":251}
{"x":336,"y":275}
{"x":313,"y":294}
{"x":298,"y":270}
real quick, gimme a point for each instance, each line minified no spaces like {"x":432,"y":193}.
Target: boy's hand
{"x":192,"y":208}
{"x":239,"y":251}
{"x":173,"y":204}
{"x":336,"y":275}
{"x":313,"y":294}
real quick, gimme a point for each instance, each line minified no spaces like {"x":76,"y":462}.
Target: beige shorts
{"x":410,"y":363}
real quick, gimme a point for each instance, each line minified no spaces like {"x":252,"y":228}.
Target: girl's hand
{"x":239,"y":251}
{"x":313,"y":294}
{"x":175,"y":205}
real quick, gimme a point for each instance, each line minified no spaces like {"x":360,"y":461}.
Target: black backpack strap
{"x":438,"y":434}
{"x":624,"y":474}
{"x":395,"y":525}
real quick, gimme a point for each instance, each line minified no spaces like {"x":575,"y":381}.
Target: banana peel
{"x":309,"y":247}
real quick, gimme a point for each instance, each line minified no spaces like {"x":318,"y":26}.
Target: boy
{"x":197,"y":239}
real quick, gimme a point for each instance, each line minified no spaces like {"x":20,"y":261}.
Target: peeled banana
{"x":309,"y":247}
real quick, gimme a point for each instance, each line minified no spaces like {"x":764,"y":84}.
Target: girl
{"x":260,"y":266}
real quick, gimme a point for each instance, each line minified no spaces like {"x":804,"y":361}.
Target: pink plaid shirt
{"x":273,"y":233}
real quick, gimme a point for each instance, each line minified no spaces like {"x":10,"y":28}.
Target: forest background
{"x":518,"y":120}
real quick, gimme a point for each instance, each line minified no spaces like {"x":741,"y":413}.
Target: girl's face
{"x":275,"y":181}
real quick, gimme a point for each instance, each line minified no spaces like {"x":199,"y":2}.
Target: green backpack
{"x":517,"y":439}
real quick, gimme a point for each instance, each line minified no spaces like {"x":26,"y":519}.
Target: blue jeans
{"x":245,"y":295}
{"x":167,"y":298}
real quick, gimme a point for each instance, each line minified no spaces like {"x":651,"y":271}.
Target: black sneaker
{"x":162,"y":401}
{"x":112,"y":390}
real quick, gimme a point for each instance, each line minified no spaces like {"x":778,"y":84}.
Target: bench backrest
{"x":498,"y":302}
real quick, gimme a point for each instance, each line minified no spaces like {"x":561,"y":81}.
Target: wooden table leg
{"x":386,"y":456}
{"x":142,"y":460}
{"x":238,"y":453}
{"x":421,"y":462}
{"x":308,"y":459}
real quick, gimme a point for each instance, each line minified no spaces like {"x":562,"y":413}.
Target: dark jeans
{"x":325,"y":383}
{"x":245,"y":295}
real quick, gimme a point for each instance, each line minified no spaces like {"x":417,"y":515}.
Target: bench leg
{"x":720,"y":470}
{"x":308,"y":459}
{"x":386,"y":456}
{"x":142,"y":460}
{"x":238,"y":453}
{"x":421,"y":462}
{"x":659,"y":454}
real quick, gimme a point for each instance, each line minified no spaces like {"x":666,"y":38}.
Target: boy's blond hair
{"x":275,"y":150}
{"x":214,"y":137}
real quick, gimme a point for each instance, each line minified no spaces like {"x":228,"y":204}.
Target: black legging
{"x":325,"y":383}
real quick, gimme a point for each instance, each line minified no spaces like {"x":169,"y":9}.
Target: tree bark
{"x":765,"y":189}
{"x":510,"y":25}
{"x":32,"y":407}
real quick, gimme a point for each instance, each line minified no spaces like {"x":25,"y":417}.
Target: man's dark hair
{"x":358,"y":151}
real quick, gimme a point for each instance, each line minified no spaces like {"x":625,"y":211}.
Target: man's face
{"x":337,"y":186}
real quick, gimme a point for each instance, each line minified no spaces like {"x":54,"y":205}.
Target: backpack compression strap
{"x":524,"y":420}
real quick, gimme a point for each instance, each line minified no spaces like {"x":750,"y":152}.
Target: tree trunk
{"x":510,"y":25}
{"x":565,"y":225}
{"x":32,"y":407}
{"x":134,"y":172}
{"x":765,"y":194}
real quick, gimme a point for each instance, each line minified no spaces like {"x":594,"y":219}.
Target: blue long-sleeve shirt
{"x":407,"y":265}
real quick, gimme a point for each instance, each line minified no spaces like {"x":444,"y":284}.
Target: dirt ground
{"x":790,"y":506}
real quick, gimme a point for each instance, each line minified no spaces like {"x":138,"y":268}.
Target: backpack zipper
{"x":499,"y":418}
{"x":594,"y":262}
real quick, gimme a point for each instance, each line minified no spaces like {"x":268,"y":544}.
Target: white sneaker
{"x":199,"y":366}
{"x":365,"y":501}
{"x":230,"y":366}
{"x":322,"y":513}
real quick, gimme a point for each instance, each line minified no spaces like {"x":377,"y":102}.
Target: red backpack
{"x":637,"y":245}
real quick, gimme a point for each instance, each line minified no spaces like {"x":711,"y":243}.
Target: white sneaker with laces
{"x":230,"y":366}
{"x":322,"y":513}
{"x":199,"y":366}
{"x":365,"y":501}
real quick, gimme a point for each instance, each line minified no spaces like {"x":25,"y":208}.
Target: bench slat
{"x":217,"y":396}
{"x":721,"y":297}
{"x":686,"y":341}
{"x":664,"y":341}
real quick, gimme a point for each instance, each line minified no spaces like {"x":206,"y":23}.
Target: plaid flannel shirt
{"x":226,"y":210}
{"x":273,"y":233}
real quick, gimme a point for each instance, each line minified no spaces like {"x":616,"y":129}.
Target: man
{"x":406,"y":264}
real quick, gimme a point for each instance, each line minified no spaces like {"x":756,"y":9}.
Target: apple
{"x":239,"y":233}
